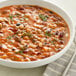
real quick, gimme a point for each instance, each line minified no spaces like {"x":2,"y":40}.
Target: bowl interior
{"x":55,"y":9}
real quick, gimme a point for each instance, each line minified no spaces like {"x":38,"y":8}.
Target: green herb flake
{"x":11,"y":17}
{"x":56,"y":49}
{"x":45,"y":43}
{"x":26,"y":18}
{"x":43,"y":17}
{"x":17,"y":32}
{"x":47,"y":16}
{"x":22,"y":36}
{"x":47,"y":33}
{"x":26,"y":34}
{"x":55,"y":39}
{"x":13,"y":35}
{"x":52,"y":42}
{"x":9,"y":37}
{"x":19,"y":52}
{"x":24,"y":47}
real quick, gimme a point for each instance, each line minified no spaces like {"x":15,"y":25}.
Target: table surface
{"x":70,"y":7}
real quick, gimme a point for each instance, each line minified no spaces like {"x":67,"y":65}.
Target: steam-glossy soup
{"x":30,"y":33}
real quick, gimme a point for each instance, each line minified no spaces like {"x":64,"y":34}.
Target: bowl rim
{"x":67,"y":46}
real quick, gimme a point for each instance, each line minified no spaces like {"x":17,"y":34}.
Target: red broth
{"x":30,"y":33}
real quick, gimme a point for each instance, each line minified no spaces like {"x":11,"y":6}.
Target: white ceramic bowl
{"x":53,"y":7}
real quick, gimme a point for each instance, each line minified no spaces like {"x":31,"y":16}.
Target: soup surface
{"x":30,"y":33}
